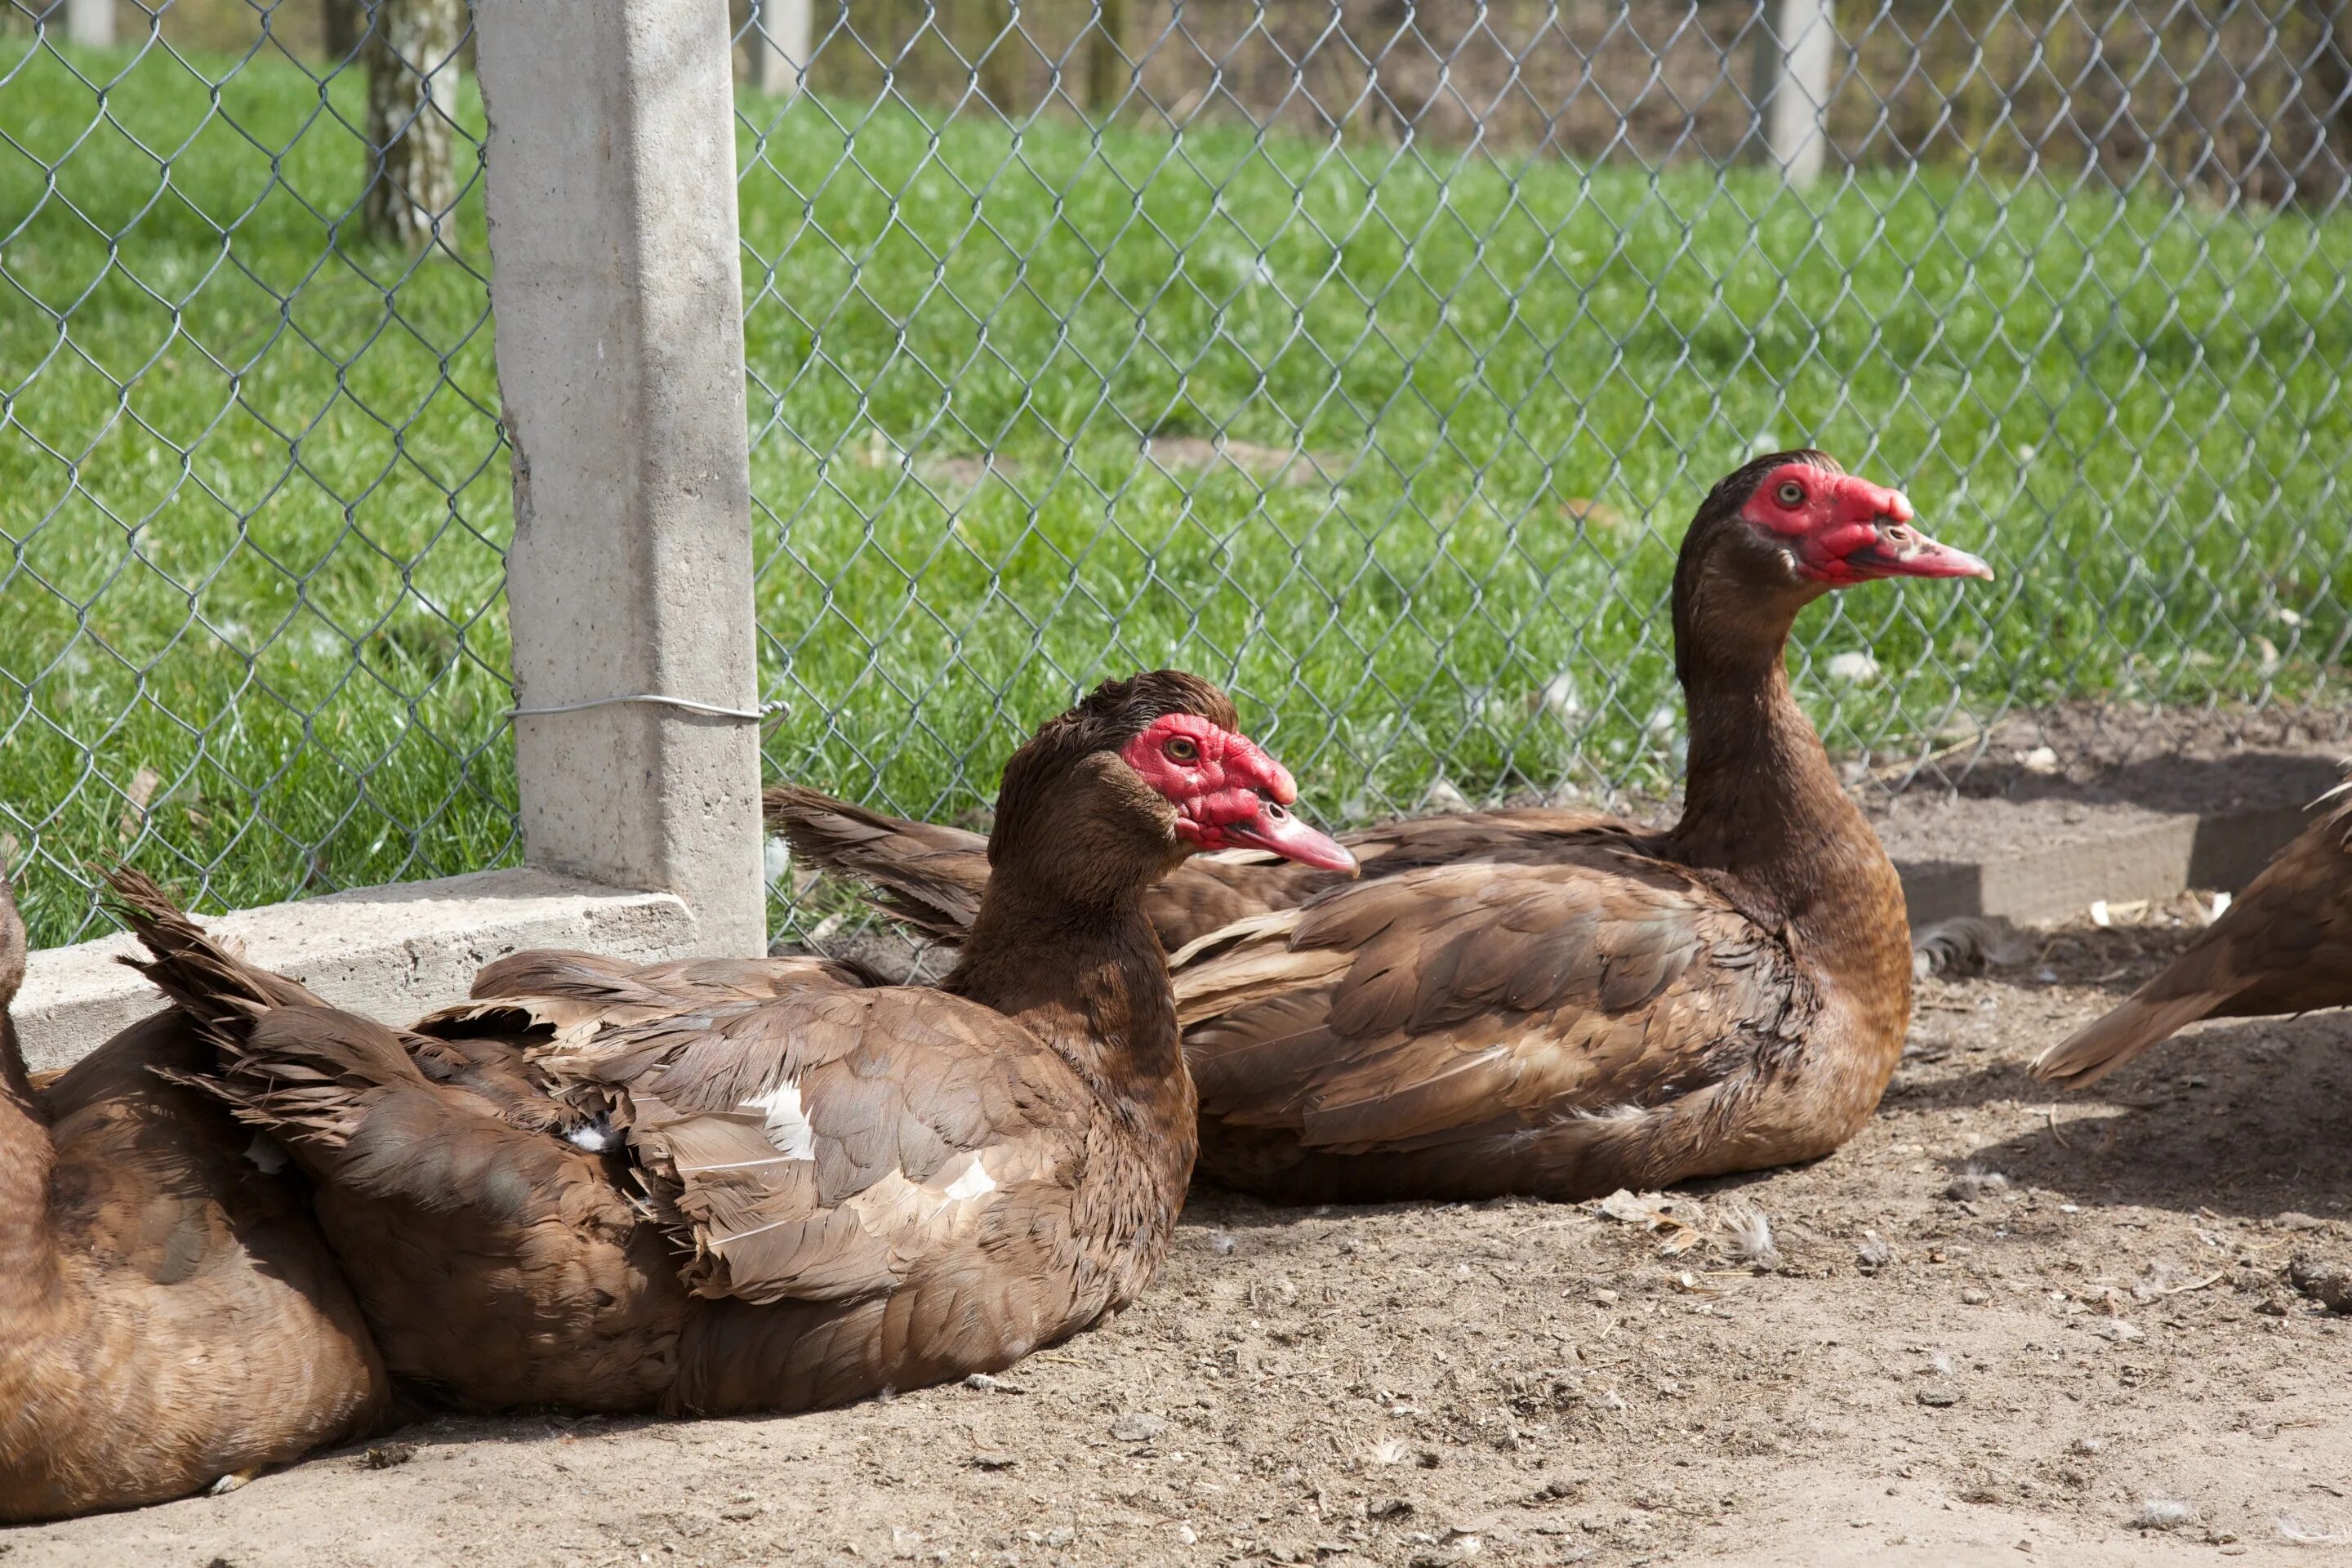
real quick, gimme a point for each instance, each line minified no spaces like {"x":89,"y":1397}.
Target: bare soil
{"x":2043,"y":1371}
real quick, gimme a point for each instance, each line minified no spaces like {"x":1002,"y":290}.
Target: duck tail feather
{"x":2136,"y":1025}
{"x":923,"y":874}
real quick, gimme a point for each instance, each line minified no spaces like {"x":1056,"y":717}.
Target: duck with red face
{"x":767,"y":1185}
{"x":1597,"y":1006}
{"x":1546,"y":1002}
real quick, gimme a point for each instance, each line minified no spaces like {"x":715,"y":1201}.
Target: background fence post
{"x":999,"y":64}
{"x":616,"y":286}
{"x":91,"y":23}
{"x":1798,"y":129}
{"x":1107,"y":72}
{"x":344,"y":22}
{"x":780,"y":44}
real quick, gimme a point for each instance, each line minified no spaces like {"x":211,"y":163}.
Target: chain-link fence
{"x":1367,"y":356}
{"x":251,"y":478}
{"x":1371,"y":356}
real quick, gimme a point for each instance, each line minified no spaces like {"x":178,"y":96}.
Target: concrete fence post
{"x":1796,"y":129}
{"x":91,"y":23}
{"x":781,"y":37}
{"x":617,"y":294}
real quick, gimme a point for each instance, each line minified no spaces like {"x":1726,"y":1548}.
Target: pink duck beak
{"x":1276,"y":829}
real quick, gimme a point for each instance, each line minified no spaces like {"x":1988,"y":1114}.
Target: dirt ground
{"x":1940,"y":1369}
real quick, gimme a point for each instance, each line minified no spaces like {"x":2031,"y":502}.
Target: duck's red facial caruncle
{"x":1228,"y":793}
{"x":1840,"y":530}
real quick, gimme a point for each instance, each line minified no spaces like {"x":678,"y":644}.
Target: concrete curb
{"x":398,"y":952}
{"x":392,"y":952}
{"x":2115,"y":853}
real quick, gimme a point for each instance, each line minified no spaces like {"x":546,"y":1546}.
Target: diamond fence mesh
{"x":1367,"y":356}
{"x":251,"y":479}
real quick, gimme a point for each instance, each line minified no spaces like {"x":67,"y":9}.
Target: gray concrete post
{"x":616,"y":294}
{"x":780,"y":44}
{"x":90,"y":22}
{"x":1797,"y":130}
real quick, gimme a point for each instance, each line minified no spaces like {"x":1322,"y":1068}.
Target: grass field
{"x":255,"y":493}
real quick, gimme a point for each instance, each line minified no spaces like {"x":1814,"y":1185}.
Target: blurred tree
{"x":1108,"y":71}
{"x":343,"y":20}
{"x":998,"y":41}
{"x":411,"y":53}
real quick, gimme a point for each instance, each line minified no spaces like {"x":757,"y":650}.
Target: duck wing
{"x":2284,"y":946}
{"x":933,"y":876}
{"x":482,"y":1224}
{"x":829,"y":1144}
{"x":1451,"y":1011}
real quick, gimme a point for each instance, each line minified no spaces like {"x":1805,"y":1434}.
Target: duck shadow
{"x":2117,"y":959}
{"x":2244,"y":1118}
{"x":2172,"y":784}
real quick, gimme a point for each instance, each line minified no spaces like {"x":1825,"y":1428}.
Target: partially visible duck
{"x":846,"y":1187}
{"x":931,"y":876}
{"x":2284,"y":946}
{"x":170,"y":1317}
{"x":1554,"y":1003}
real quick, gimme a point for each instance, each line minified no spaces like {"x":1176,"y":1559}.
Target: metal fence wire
{"x":1371,"y":356}
{"x":251,"y":476}
{"x":1364,"y":355}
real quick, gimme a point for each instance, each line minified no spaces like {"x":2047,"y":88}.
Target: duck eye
{"x":1182,"y":749}
{"x":1792,"y":492}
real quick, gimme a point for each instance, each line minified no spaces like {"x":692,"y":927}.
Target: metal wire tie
{"x":749,"y":715}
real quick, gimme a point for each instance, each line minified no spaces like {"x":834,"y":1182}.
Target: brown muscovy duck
{"x":2284,"y":946}
{"x":170,"y":1317}
{"x":846,"y":1187}
{"x":1552,"y":1002}
{"x":932,"y":877}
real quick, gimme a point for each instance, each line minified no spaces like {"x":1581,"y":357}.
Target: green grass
{"x":2131,"y":406}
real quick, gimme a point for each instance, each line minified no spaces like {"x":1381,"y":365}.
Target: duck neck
{"x":1763,"y":807}
{"x":1088,"y":977}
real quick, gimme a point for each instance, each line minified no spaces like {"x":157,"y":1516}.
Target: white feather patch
{"x":975,"y":1183}
{"x":788,"y":1125}
{"x":267,"y":1156}
{"x":596,"y":1137}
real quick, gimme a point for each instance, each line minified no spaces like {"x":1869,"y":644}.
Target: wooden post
{"x":1797,"y":125}
{"x":1108,"y":73}
{"x":91,"y":23}
{"x":342,"y":20}
{"x":781,"y":35}
{"x":1000,"y":67}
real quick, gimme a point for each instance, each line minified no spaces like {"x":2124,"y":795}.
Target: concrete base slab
{"x":2037,"y":861}
{"x":2029,"y":878}
{"x":392,"y":952}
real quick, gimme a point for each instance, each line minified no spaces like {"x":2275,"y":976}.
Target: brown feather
{"x":169,"y":1312}
{"x":1566,"y":1008}
{"x":724,"y":1186}
{"x":2284,"y":946}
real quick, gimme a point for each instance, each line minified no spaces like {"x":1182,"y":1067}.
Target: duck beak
{"x":1276,"y":829}
{"x":1902,"y":551}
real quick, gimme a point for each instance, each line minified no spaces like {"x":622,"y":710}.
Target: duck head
{"x":1798,"y":523}
{"x":1115,"y":793}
